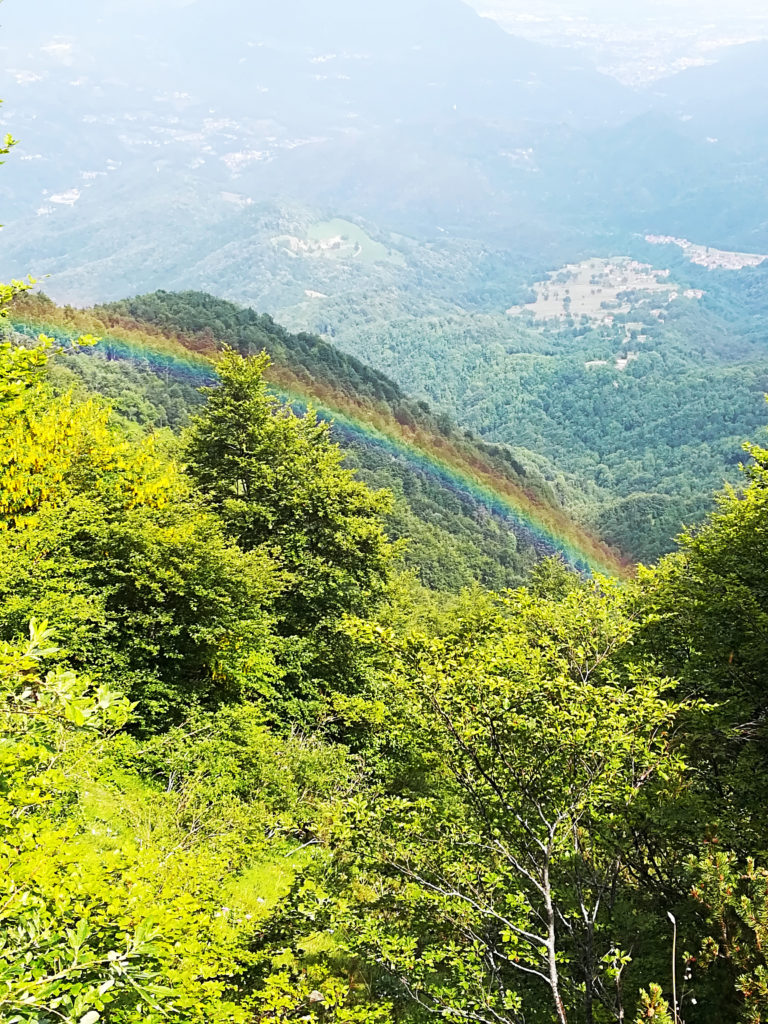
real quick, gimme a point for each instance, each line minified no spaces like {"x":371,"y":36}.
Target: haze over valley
{"x":403,"y":178}
{"x":637,"y":42}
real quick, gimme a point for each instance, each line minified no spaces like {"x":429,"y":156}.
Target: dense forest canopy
{"x":255,"y":770}
{"x":291,"y":731}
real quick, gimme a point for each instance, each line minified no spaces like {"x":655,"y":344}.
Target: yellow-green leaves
{"x":7,"y":143}
{"x":50,"y":963}
{"x":653,"y":1007}
{"x":52,"y":448}
{"x":8,"y":292}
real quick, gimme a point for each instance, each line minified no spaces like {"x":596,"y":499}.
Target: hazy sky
{"x":630,"y":11}
{"x":638,"y":41}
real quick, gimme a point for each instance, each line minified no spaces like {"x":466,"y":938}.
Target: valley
{"x":628,"y":43}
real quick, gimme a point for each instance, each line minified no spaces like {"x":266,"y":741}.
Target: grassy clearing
{"x":346,"y":240}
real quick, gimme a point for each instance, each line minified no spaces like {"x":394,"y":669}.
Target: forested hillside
{"x":647,"y":397}
{"x":254,"y":771}
{"x":472,"y":512}
{"x":632,"y":450}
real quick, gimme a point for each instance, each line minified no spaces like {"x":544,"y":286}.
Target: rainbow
{"x":454,"y":464}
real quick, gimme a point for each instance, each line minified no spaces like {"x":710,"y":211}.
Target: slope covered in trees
{"x":252,"y":771}
{"x":471,"y":511}
{"x":649,"y":405}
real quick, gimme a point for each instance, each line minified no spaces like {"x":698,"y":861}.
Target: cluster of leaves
{"x":61,"y":955}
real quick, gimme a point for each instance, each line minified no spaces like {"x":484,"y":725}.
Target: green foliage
{"x":7,"y":292}
{"x":735,"y":899}
{"x":62,"y":955}
{"x":102,"y":535}
{"x":552,"y":578}
{"x":155,"y":598}
{"x":230,"y":757}
{"x":490,"y":878}
{"x":322,"y":791}
{"x":653,"y":1006}
{"x":275,"y":478}
{"x":204,"y":317}
{"x":139,"y":398}
{"x":638,"y":450}
{"x":98,"y":921}
{"x":706,"y":614}
{"x":452,"y":540}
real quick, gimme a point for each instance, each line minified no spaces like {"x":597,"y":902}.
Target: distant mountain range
{"x":150,"y":132}
{"x":384,"y":171}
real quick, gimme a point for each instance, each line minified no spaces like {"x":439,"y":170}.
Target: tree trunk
{"x":589,"y":973}
{"x":554,"y":980}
